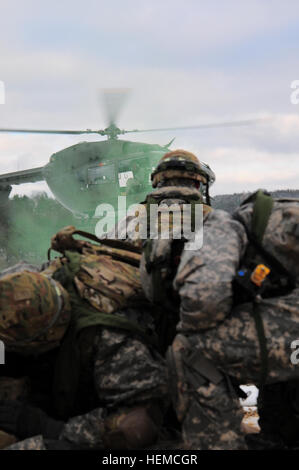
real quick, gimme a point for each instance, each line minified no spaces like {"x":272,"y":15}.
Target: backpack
{"x":100,"y":280}
{"x":104,"y":277}
{"x":263,"y":272}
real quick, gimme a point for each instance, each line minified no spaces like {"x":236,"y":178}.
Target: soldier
{"x":180,"y":180}
{"x":239,"y":316}
{"x":110,"y":385}
{"x":177,"y":178}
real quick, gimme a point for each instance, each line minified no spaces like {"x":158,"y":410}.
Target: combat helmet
{"x":183,"y":164}
{"x":34,"y":312}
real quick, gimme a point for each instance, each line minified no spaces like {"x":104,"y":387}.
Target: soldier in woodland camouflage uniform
{"x":107,"y":368}
{"x":219,"y":342}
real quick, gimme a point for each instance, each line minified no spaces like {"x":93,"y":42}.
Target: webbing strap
{"x":259,"y":325}
{"x":87,"y":315}
{"x":114,"y":243}
{"x":262,"y":209}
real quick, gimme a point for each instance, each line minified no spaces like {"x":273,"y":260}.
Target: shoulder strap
{"x":64,"y":240}
{"x":114,"y":243}
{"x":263,"y":204}
{"x":262,"y":209}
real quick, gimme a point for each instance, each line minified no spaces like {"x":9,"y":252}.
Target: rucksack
{"x":105,"y":276}
{"x":101,"y":279}
{"x":261,"y":273}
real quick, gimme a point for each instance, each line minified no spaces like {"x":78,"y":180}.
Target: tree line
{"x":27,"y":224}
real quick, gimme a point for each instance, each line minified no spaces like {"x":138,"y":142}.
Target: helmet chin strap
{"x":208,"y":199}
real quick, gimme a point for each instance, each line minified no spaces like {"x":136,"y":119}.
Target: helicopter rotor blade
{"x":49,"y":131}
{"x":114,"y":99}
{"x":240,"y":123}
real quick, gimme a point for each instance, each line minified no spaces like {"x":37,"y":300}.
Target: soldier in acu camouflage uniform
{"x":206,"y":398}
{"x":158,"y":224}
{"x":224,"y":341}
{"x":109,"y":383}
{"x":179,"y":179}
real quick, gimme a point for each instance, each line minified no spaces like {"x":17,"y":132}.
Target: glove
{"x":25,"y":421}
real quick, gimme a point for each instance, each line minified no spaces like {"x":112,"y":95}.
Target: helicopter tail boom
{"x":25,"y":176}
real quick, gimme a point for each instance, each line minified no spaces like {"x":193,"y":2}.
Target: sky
{"x":186,"y":63}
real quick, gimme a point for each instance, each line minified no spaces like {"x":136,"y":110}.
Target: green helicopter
{"x":90,"y":173}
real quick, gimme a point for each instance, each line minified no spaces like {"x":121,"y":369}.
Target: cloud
{"x":187,"y":63}
{"x":172,"y":26}
{"x":247,"y":169}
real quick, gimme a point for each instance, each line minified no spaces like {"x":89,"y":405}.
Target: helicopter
{"x":88,"y":173}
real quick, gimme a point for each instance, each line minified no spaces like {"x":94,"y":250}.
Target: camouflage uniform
{"x":32,"y":443}
{"x":226,"y":335}
{"x":126,"y":371}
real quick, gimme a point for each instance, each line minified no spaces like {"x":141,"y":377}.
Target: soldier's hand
{"x":25,"y":421}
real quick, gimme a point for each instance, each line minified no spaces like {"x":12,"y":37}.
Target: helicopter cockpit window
{"x":137,"y":168}
{"x":101,"y":174}
{"x":123,"y":178}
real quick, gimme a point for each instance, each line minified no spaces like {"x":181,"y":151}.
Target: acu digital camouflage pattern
{"x":29,"y":305}
{"x":170,"y":224}
{"x":32,"y":443}
{"x":228,"y":336}
{"x":126,"y":371}
{"x":133,"y":228}
{"x":133,"y":372}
